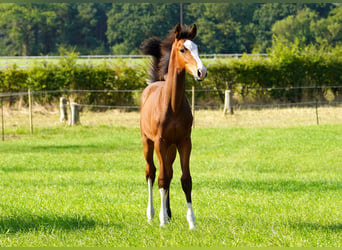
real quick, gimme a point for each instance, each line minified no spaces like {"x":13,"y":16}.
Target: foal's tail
{"x":160,"y":52}
{"x":152,"y":47}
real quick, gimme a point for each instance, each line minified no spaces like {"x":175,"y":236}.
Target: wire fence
{"x":204,"y":98}
{"x":23,"y":112}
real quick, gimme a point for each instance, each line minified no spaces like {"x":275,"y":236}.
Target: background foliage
{"x":102,"y":28}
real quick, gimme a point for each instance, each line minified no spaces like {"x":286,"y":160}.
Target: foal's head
{"x":187,"y":52}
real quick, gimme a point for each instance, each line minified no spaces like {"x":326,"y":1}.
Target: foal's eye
{"x":182,"y":50}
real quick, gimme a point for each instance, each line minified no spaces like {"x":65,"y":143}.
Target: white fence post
{"x":228,"y":103}
{"x":75,"y":115}
{"x":30,"y":100}
{"x":63,"y":109}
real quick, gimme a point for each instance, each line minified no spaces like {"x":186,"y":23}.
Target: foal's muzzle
{"x":201,"y":74}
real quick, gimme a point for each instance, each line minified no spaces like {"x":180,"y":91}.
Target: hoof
{"x":164,"y":221}
{"x":192,"y":226}
{"x":190,"y":217}
{"x":150,"y":214}
{"x":162,"y":225}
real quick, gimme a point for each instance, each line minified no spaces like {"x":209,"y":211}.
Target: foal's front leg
{"x":166,"y":155}
{"x":184,"y":149}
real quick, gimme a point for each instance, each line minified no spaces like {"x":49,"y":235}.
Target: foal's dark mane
{"x":160,"y":51}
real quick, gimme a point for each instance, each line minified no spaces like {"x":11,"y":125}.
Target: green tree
{"x":263,"y":20}
{"x":92,"y":21}
{"x":297,"y":27}
{"x":130,"y":24}
{"x":34,"y":29}
{"x":48,"y":28}
{"x":223,"y":28}
{"x":329,"y":31}
{"x":19,"y":27}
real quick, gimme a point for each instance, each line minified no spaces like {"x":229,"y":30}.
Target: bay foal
{"x":166,"y":118}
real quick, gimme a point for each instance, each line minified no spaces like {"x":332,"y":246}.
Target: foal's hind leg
{"x":150,"y":172}
{"x":184,"y":149}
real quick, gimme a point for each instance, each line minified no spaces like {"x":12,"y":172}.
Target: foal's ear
{"x":178,"y":31}
{"x":193,"y":32}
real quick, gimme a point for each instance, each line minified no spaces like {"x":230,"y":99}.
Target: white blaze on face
{"x":201,"y":72}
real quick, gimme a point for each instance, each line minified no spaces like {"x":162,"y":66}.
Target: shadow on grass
{"x":70,"y":148}
{"x":37,"y":168}
{"x":308,"y":226}
{"x":274,"y":186}
{"x":50,"y":222}
{"x":55,"y":149}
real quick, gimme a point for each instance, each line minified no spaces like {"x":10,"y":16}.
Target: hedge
{"x":278,"y":77}
{"x":67,"y":75}
{"x":287,"y":75}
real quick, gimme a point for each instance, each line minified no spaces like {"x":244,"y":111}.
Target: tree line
{"x":104,"y":28}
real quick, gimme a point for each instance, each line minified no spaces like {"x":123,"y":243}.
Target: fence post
{"x":30,"y":111}
{"x":228,"y":102}
{"x":193,"y":105}
{"x":2,"y":121}
{"x":316,"y":101}
{"x":63,"y":109}
{"x":75,"y":115}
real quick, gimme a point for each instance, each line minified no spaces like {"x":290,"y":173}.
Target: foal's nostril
{"x":199,"y":73}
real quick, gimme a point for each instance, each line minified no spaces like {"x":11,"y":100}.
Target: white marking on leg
{"x":163,"y":217}
{"x":150,"y":208}
{"x":190,"y":215}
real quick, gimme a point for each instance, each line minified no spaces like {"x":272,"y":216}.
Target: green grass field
{"x":85,"y":186}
